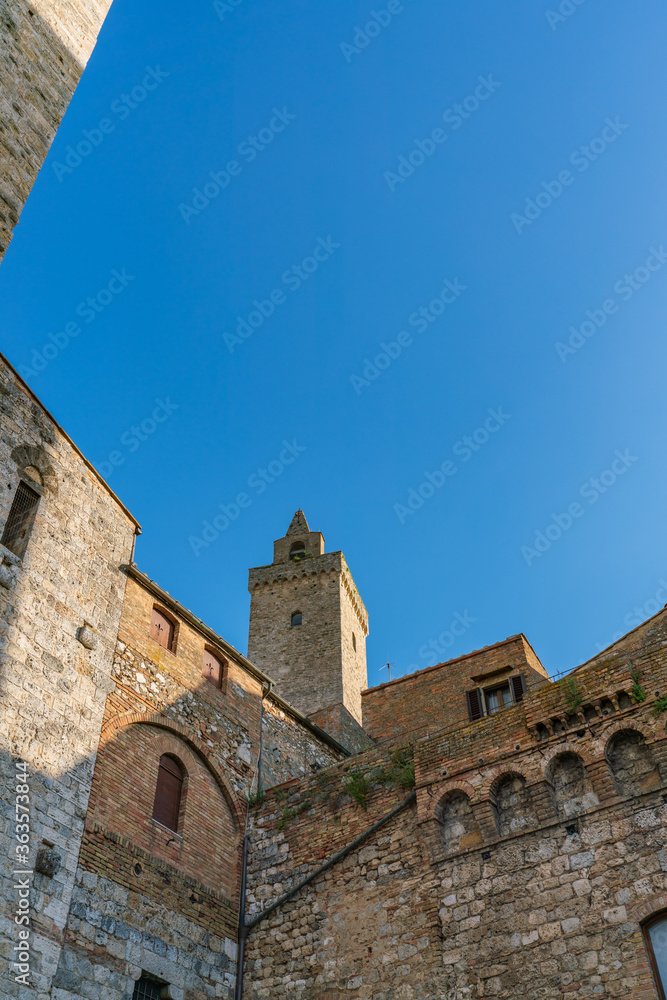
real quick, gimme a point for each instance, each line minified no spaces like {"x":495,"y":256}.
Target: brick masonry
{"x":537,"y":844}
{"x":44,"y":49}
{"x":521,"y":866}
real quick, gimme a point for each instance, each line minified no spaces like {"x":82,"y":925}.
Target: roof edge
{"x":26,"y":388}
{"x":445,"y":663}
{"x":136,"y":574}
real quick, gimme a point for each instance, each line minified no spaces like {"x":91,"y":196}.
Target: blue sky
{"x":319,"y":156}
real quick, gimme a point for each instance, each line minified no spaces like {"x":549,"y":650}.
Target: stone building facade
{"x":44,"y":48}
{"x":486,"y":833}
{"x":180,"y":821}
{"x":305,"y":608}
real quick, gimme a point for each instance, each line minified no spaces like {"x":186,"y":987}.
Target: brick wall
{"x":435,"y":698}
{"x":43,"y":52}
{"x":524,"y":869}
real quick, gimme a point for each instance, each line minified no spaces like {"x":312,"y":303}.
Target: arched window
{"x":297,"y":619}
{"x":354,"y":642}
{"x":162,"y":629}
{"x":20,"y":519}
{"x":297,"y":551}
{"x":212,"y":669}
{"x":167,"y":803}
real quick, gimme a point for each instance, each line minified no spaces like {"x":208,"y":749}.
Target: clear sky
{"x":256,"y":196}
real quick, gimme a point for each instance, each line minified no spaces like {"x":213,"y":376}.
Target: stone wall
{"x":524,"y":870}
{"x":53,"y":687}
{"x":314,"y":664}
{"x":149,"y":899}
{"x":43,"y":51}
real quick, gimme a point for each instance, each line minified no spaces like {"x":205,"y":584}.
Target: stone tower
{"x":45,"y":48}
{"x":308,"y":626}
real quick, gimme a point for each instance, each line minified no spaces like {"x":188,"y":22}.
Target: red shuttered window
{"x":162,"y":630}
{"x":212,"y":669}
{"x":167,"y":803}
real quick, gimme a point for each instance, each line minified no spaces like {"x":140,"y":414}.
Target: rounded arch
{"x":199,"y":748}
{"x":28,"y":456}
{"x":511,"y":801}
{"x":297,"y":550}
{"x":631,"y":761}
{"x":570,"y":784}
{"x":458,"y":828}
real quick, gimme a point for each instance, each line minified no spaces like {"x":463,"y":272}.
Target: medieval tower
{"x":308,"y":624}
{"x":45,"y":48}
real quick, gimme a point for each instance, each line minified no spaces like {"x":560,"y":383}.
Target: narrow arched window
{"x":354,"y":642}
{"x":297,"y":619}
{"x":20,"y":519}
{"x":162,"y":630}
{"x":297,"y":551}
{"x":212,"y":669}
{"x":167,"y":803}
{"x":655,"y":935}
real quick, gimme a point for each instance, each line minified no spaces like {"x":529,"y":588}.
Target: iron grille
{"x":19,"y":522}
{"x":146,"y":989}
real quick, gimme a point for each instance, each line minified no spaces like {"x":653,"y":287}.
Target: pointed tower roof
{"x":299,"y":525}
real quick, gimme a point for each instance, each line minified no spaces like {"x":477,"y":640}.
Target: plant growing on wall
{"x":638,"y":692}
{"x":256,"y":798}
{"x":571,"y":694}
{"x":660,"y":705}
{"x":400,"y":771}
{"x":356,"y":785}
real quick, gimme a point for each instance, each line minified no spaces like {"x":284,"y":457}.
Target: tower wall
{"x":43,"y":52}
{"x":314,"y":664}
{"x":52,"y":685}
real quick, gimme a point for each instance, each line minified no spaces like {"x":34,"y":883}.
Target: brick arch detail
{"x":626,"y":725}
{"x":493,"y":776}
{"x":583,"y":753}
{"x":201,"y":751}
{"x":448,"y":787}
{"x":640,"y":909}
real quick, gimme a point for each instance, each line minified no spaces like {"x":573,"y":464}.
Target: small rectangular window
{"x":162,"y":630}
{"x":212,"y":669}
{"x":19,"y":522}
{"x":147,"y":989}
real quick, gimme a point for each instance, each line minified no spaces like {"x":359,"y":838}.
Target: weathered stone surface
{"x":44,"y":49}
{"x":333,"y":628}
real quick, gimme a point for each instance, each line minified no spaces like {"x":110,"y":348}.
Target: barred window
{"x":19,"y":522}
{"x":147,"y":989}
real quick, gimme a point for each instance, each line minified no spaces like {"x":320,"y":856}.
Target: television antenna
{"x":387,"y":666}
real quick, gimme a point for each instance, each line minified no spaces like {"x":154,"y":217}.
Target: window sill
{"x":161,"y":827}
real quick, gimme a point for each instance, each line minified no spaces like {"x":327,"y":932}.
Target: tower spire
{"x":298,"y":524}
